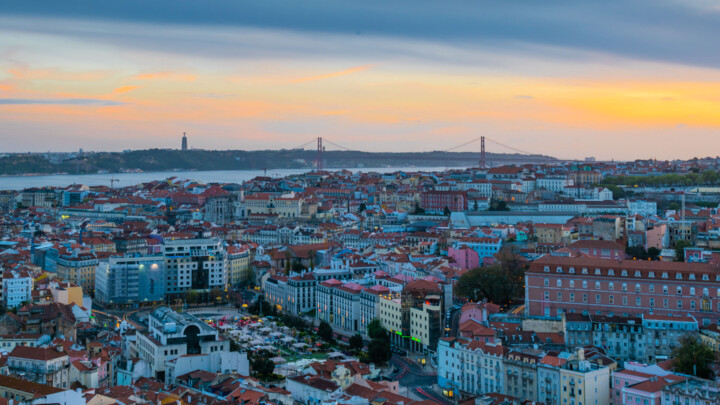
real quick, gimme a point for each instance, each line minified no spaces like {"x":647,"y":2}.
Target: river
{"x":129,"y":179}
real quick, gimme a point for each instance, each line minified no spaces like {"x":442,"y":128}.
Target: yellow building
{"x":390,"y":314}
{"x":238,"y":264}
{"x":78,"y":268}
{"x":710,"y":336}
{"x":66,"y":293}
{"x":584,"y":382}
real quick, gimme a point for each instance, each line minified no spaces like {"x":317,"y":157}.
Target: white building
{"x":216,"y":362}
{"x":171,"y":335}
{"x":194,"y":264}
{"x":17,"y":288}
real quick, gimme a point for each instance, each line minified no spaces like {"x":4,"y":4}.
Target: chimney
{"x":581,"y":354}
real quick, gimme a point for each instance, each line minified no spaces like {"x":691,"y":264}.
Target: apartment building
{"x":238,"y":263}
{"x":78,"y":267}
{"x":338,"y":304}
{"x":17,"y":288}
{"x":194,"y":264}
{"x":555,"y":284}
{"x":131,"y":280}
{"x":41,"y":365}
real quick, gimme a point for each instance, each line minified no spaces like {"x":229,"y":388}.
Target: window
{"x":611,"y":286}
{"x":572,"y":283}
{"x":584,"y":284}
{"x":679,"y":290}
{"x":597,"y":272}
{"x":611,"y":299}
{"x":623,"y":273}
{"x":597,"y":285}
{"x":651,"y":274}
{"x":638,"y":301}
{"x":547,"y":283}
{"x":678,"y":276}
{"x":665,"y":289}
{"x":584,"y":270}
{"x":559,"y":269}
{"x":624,"y":286}
{"x":664,"y":275}
{"x":611,"y":272}
{"x":692,"y":305}
{"x":571,"y":270}
{"x":547,"y":295}
{"x":665,"y":303}
{"x":679,"y":304}
{"x":572,"y":297}
{"x":585,"y":299}
{"x":559,"y":296}
{"x":691,"y":276}
{"x":651,"y":288}
{"x":706,"y":292}
{"x":547,"y":269}
{"x":637,"y":273}
{"x":652,"y":302}
{"x":597,"y":298}
{"x":692,"y":291}
{"x":624,"y":301}
{"x":559,"y":283}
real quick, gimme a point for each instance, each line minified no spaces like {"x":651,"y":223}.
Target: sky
{"x":571,"y":79}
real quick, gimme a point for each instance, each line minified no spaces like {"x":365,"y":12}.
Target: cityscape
{"x":360,"y":203}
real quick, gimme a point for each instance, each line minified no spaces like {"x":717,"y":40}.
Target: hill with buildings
{"x":168,"y":159}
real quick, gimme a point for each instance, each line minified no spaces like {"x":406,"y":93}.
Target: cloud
{"x":334,"y":74}
{"x":125,"y":89}
{"x":66,"y":101}
{"x":662,"y":30}
{"x":179,"y":77}
{"x":524,"y":97}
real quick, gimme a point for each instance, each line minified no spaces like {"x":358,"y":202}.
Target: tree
{"x":680,"y":249}
{"x":379,"y":346}
{"x":674,"y":206}
{"x":637,"y":252}
{"x":493,"y":283}
{"x":475,"y":206}
{"x":446,"y":211}
{"x":216,"y":294}
{"x":356,"y":342}
{"x":362,"y":207}
{"x":693,"y":357}
{"x":192,"y":296}
{"x":325,"y":332}
{"x":418,"y":210}
{"x":262,"y":366}
{"x":653,"y":253}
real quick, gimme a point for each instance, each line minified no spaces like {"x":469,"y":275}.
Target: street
{"x":414,"y":380}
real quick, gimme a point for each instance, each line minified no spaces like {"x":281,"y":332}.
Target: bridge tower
{"x":482,"y":152}
{"x":318,"y":163}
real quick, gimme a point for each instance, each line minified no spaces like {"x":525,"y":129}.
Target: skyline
{"x":626,"y":80}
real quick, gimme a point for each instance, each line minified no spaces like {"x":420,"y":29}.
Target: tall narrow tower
{"x":482,"y":152}
{"x":184,"y":141}
{"x":319,"y":162}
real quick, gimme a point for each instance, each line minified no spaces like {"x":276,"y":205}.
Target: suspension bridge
{"x":473,"y":150}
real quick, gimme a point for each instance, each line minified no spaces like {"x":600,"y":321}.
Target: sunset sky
{"x":611,"y":79}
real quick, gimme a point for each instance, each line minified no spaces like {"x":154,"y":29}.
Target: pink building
{"x":477,"y":311}
{"x":465,"y":257}
{"x":554,"y":284}
{"x":656,"y":237}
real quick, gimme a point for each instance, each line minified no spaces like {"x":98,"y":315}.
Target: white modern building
{"x":17,"y":288}
{"x":171,"y":335}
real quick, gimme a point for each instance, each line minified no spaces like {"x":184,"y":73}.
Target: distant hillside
{"x":164,"y":159}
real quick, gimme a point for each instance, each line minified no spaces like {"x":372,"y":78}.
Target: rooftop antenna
{"x":113,"y":180}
